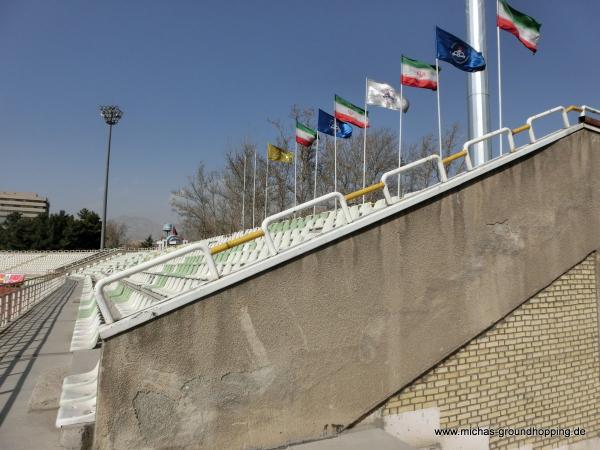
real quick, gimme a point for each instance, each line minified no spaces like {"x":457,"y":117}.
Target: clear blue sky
{"x":195,"y":77}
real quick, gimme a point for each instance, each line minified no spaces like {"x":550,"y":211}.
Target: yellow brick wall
{"x":539,"y":366}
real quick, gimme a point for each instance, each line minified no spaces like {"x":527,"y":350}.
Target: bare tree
{"x":199,"y":204}
{"x":116,"y":234}
{"x":212,"y":203}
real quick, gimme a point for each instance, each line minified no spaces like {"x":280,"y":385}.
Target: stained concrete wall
{"x":537,"y":367}
{"x":310,"y":346}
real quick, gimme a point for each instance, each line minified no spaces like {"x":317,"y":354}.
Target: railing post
{"x":2,"y":306}
{"x":439,"y":163}
{"x":268,"y":220}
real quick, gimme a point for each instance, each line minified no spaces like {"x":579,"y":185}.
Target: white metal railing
{"x":561,"y":109}
{"x":586,"y":108}
{"x":99,"y":290}
{"x":288,"y":212}
{"x":14,"y":302}
{"x":264,"y":230}
{"x":485,"y":137}
{"x":398,"y":171}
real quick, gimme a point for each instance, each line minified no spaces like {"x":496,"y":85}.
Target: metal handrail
{"x":364,"y":191}
{"x":264,"y":231}
{"x":574,"y":108}
{"x":99,"y":290}
{"x":412,"y":165}
{"x":590,"y":109}
{"x":237,"y":241}
{"x":17,"y":301}
{"x":560,"y":109}
{"x":332,"y":195}
{"x":454,"y":156}
{"x":485,"y":137}
{"x":520,"y":129}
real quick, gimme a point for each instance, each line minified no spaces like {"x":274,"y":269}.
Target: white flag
{"x":382,"y":94}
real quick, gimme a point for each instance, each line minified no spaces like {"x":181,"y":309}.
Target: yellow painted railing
{"x":260,"y":233}
{"x":373,"y":188}
{"x":237,"y":241}
{"x":361,"y":192}
{"x":521,"y":129}
{"x":447,"y":160}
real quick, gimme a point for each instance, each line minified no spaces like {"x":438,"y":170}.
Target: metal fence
{"x":17,"y":301}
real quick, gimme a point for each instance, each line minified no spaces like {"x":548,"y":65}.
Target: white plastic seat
{"x":77,"y":413}
{"x":80,"y":392}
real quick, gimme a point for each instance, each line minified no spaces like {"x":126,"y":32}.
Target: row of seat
{"x":39,"y":263}
{"x":188,"y":272}
{"x":87,"y":325}
{"x":77,"y":405}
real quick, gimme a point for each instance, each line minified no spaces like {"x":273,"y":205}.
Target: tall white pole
{"x":437,"y":71}
{"x":267,"y":187}
{"x":254,"y":191}
{"x":334,"y":153}
{"x":478,"y":97}
{"x":400,"y":129}
{"x":316,"y":168}
{"x":295,"y":173}
{"x":244,"y":196}
{"x":499,"y":80}
{"x":365,"y":140}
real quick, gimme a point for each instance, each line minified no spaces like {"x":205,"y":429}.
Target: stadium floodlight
{"x":111,"y":115}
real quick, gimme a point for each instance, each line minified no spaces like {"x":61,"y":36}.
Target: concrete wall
{"x":307,"y":348}
{"x":537,"y":367}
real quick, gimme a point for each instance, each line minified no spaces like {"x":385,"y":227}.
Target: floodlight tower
{"x":111,"y":115}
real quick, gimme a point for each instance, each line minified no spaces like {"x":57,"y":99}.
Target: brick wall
{"x":539,"y":366}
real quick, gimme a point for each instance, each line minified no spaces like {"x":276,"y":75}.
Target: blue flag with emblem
{"x":457,"y":52}
{"x":327,"y":123}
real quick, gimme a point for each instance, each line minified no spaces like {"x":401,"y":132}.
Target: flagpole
{"x":365,"y":139}
{"x":244,"y":196}
{"x":295,"y":172}
{"x":267,"y":186}
{"x":334,"y":153}
{"x":254,"y":190}
{"x":400,"y":130}
{"x":316,"y":168}
{"x":499,"y":77}
{"x":437,"y":71}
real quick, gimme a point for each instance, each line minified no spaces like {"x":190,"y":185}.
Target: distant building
{"x":28,"y":204}
{"x":171,"y":236}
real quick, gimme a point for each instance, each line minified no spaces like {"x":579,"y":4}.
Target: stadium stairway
{"x":299,"y":337}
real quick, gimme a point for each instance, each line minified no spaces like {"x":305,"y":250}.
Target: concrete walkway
{"x":34,"y":358}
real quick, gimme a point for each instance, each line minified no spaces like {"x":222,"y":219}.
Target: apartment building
{"x":28,"y":204}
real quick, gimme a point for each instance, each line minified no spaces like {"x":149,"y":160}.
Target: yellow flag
{"x":278,"y":154}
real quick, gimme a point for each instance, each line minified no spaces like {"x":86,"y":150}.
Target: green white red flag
{"x":304,"y":135}
{"x":418,"y":74}
{"x":524,"y":27}
{"x":347,"y":112}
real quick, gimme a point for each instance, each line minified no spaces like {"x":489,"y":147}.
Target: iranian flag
{"x":347,"y":112}
{"x":525,"y":28}
{"x":418,"y":74}
{"x":304,"y":135}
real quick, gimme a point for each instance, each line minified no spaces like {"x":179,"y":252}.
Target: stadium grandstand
{"x":318,"y":330}
{"x":33,"y":263}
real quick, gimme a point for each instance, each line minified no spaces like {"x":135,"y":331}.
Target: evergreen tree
{"x":148,"y":242}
